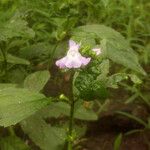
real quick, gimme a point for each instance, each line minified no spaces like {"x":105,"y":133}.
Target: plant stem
{"x":70,"y":135}
{"x":71,"y":120}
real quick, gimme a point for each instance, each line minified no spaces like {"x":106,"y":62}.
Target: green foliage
{"x":140,"y":121}
{"x":15,"y":27}
{"x":58,"y":108}
{"x":14,"y":60}
{"x":36,"y":81}
{"x":12,"y":143}
{"x":91,"y":83}
{"x":48,"y":136}
{"x":117,"y":142}
{"x":44,"y":135}
{"x":7,"y":85}
{"x":113,"y":45}
{"x":17,"y":104}
{"x":114,"y":79}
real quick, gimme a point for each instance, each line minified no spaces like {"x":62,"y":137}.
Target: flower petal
{"x":85,"y":60}
{"x":97,"y":50}
{"x":61,"y":62}
{"x":74,"y":63}
{"x":73,"y":59}
{"x":73,"y":45}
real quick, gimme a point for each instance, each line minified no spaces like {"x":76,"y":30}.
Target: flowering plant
{"x":73,"y":60}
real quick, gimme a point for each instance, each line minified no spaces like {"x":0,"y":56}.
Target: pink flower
{"x":73,"y":59}
{"x":97,"y":50}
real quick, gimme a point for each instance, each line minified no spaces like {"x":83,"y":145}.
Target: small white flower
{"x":73,"y":59}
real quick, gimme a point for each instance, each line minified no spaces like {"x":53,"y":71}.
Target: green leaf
{"x":59,"y":108}
{"x":135,"y":79}
{"x":118,"y":141}
{"x":140,"y":121}
{"x":113,"y":45}
{"x":37,"y":80}
{"x":104,"y":68}
{"x":14,"y":60}
{"x":84,"y":113}
{"x":99,"y":31}
{"x":17,"y":75}
{"x":44,"y":135}
{"x":6,"y":85}
{"x":114,"y":79}
{"x":90,"y":84}
{"x":15,"y":27}
{"x":17,"y":104}
{"x":56,"y":109}
{"x":13,"y":143}
{"x":122,"y":55}
{"x":105,"y":2}
{"x":40,"y":51}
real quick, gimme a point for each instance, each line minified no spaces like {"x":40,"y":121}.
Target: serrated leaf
{"x":90,"y":84}
{"x":17,"y":104}
{"x":37,"y":80}
{"x":44,"y":135}
{"x":13,"y":143}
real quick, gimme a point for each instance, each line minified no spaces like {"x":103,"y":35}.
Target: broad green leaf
{"x":56,"y":109}
{"x":14,"y":60}
{"x":37,"y":80}
{"x":83,"y":113}
{"x":59,"y":108}
{"x":17,"y":104}
{"x":117,"y":142}
{"x":12,"y":143}
{"x":99,"y":31}
{"x":44,"y":135}
{"x":53,"y":137}
{"x":40,"y":51}
{"x":113,"y":44}
{"x":121,"y":55}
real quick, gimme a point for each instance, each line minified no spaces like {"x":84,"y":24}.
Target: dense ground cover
{"x":109,"y":95}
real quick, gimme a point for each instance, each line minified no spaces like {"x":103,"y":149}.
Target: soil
{"x":105,"y":141}
{"x":101,"y":134}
